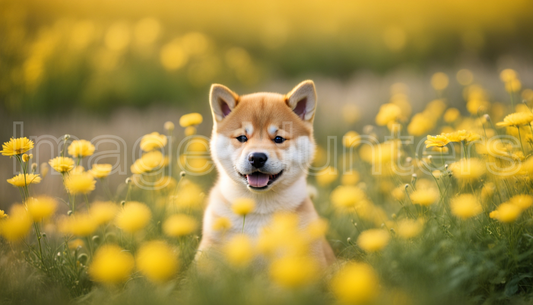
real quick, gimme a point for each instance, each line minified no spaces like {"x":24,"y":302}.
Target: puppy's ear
{"x":222,"y":100}
{"x":302,"y":100}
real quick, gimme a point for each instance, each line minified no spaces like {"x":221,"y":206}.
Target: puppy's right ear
{"x":222,"y":100}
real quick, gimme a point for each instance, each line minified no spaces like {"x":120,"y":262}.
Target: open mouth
{"x":259,"y":181}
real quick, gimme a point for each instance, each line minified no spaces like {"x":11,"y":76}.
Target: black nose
{"x":257,"y":159}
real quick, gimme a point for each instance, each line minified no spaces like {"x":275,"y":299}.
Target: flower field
{"x":432,"y":207}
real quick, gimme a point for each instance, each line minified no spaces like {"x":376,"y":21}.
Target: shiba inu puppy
{"x":262,"y":145}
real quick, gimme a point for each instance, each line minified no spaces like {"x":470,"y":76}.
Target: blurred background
{"x":123,"y":68}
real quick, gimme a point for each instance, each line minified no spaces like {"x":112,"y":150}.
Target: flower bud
{"x":169,"y":126}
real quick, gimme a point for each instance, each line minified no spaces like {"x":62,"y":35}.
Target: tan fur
{"x":262,"y":117}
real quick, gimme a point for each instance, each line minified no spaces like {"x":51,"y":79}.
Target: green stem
{"x":38,"y":234}
{"x":243,"y":220}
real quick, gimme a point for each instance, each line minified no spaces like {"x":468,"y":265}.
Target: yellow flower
{"x":464,"y":77}
{"x":409,"y":228}
{"x":221,"y":224}
{"x":16,"y":146}
{"x":347,"y":196}
{"x":133,"y":217}
{"x":522,"y":201}
{"x":438,"y":141}
{"x":506,"y":212}
{"x":44,"y":169}
{"x":101,"y":171}
{"x":3,"y":214}
{"x":424,"y":197}
{"x":188,"y":196}
{"x":157,"y":261}
{"x":79,"y":182}
{"x":179,"y":225}
{"x":462,"y":135}
{"x":22,"y":180}
{"x":103,"y":212}
{"x":111,"y":265}
{"x":25,"y":158}
{"x":388,"y":113}
{"x":283,"y":237}
{"x":78,"y":224}
{"x":41,"y":208}
{"x":439,"y":81}
{"x":451,"y":115}
{"x":190,"y":131}
{"x":420,"y":124}
{"x":350,"y":178}
{"x":351,"y":139}
{"x":373,"y":240}
{"x":80,"y":148}
{"x":468,"y":169}
{"x":148,"y":162}
{"x":516,"y":119}
{"x":293,"y":271}
{"x":508,"y":75}
{"x":326,"y":176}
{"x":239,"y":251}
{"x":17,"y":225}
{"x":62,"y":164}
{"x":465,"y":206}
{"x":191,"y":119}
{"x":153,"y":141}
{"x":243,"y":206}
{"x":355,"y":283}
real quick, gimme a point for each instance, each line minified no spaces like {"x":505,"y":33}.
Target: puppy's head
{"x":263,"y":140}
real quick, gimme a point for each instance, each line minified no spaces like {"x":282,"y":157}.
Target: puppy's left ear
{"x":302,"y":100}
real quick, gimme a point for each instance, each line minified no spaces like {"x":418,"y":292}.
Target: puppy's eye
{"x":242,"y":139}
{"x":279,"y":140}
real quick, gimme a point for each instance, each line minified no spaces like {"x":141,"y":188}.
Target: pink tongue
{"x":257,"y":179}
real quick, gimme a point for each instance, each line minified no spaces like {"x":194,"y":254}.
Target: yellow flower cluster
{"x":512,"y":209}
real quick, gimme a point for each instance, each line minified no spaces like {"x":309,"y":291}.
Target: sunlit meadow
{"x":422,"y":203}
